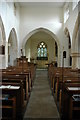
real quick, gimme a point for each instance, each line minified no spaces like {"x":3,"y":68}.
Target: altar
{"x":42,"y":63}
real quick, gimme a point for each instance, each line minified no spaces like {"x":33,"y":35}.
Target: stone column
{"x":2,"y":61}
{"x":75,"y":60}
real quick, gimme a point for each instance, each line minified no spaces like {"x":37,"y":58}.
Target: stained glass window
{"x":42,"y":49}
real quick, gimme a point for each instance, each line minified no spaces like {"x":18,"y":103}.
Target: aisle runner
{"x":41,"y":103}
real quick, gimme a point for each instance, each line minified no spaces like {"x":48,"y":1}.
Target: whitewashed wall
{"x":31,"y":48}
{"x":10,"y":20}
{"x":47,"y":17}
{"x":35,"y":16}
{"x":32,"y":17}
{"x":70,"y":23}
{"x":28,"y":49}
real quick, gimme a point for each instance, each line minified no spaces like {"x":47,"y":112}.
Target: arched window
{"x":42,"y":50}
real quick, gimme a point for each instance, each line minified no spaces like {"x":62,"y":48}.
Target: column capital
{"x":75,"y":54}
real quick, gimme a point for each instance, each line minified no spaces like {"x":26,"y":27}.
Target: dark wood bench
{"x":17,"y":78}
{"x":14,"y":90}
{"x":69,"y":105}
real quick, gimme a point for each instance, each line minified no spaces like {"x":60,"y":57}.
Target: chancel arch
{"x":12,"y":47}
{"x":43,"y":32}
{"x":2,"y":44}
{"x":76,"y":44}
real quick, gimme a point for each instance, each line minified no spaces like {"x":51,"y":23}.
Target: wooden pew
{"x":14,"y":90}
{"x":13,"y":75}
{"x":69,"y":105}
{"x":61,"y":77}
{"x":30,"y":71}
{"x":8,"y":107}
{"x":16,"y":77}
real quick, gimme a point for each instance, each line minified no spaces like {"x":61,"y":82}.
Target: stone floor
{"x":41,"y":103}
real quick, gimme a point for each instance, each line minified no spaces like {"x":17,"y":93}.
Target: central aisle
{"x":41,"y":103}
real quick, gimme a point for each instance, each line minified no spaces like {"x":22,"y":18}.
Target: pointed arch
{"x":49,"y":33}
{"x":12,"y":47}
{"x":67,"y":33}
{"x":2,"y":45}
{"x":38,"y":30}
{"x":75,"y":37}
{"x":2,"y":33}
{"x":76,"y":44}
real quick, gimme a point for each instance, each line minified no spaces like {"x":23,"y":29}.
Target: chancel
{"x":39,"y":60}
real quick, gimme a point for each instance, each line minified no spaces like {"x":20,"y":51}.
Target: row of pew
{"x":65,"y":86}
{"x":15,"y":87}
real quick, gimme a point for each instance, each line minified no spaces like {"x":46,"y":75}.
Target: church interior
{"x":39,"y":60}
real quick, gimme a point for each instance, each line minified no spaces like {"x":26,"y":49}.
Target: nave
{"x":31,"y":93}
{"x":41,"y":103}
{"x":36,"y":36}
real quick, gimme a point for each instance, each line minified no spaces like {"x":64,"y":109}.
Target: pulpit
{"x":22,"y":61}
